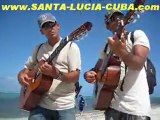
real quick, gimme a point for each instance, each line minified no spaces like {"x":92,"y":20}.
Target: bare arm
{"x":134,"y":60}
{"x":70,"y":77}
{"x":137,"y":58}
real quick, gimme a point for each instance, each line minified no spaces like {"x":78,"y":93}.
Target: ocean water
{"x":9,"y":106}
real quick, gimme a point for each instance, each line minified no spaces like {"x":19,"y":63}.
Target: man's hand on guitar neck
{"x":49,"y":70}
{"x":117,"y":46}
{"x":90,"y":76}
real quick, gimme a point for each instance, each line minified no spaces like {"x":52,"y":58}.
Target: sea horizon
{"x":17,"y":94}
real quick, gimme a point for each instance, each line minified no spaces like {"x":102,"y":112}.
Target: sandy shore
{"x":155,"y":112}
{"x":95,"y":115}
{"x":99,"y":115}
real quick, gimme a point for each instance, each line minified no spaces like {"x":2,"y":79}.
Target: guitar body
{"x":31,"y":95}
{"x":112,"y":73}
{"x":106,"y":84}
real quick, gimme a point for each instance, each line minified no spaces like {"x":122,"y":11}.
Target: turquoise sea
{"x":9,"y":105}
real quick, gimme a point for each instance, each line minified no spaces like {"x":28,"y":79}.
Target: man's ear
{"x":58,"y":26}
{"x":41,"y":31}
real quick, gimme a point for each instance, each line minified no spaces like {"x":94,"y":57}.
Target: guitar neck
{"x":75,"y":35}
{"x":57,"y":50}
{"x":106,"y":61}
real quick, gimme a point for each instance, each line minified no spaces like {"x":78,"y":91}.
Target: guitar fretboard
{"x":57,"y":50}
{"x":106,"y":61}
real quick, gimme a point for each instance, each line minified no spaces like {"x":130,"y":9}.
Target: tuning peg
{"x":78,"y":38}
{"x":86,"y":34}
{"x":131,"y":19}
{"x":138,"y":16}
{"x":142,"y":11}
{"x":134,"y":21}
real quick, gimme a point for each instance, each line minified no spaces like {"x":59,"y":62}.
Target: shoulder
{"x":73,"y":45}
{"x":40,"y":45}
{"x":139,"y":33}
{"x":140,"y":38}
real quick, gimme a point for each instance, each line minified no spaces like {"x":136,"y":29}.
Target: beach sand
{"x":155,"y":112}
{"x":99,"y":115}
{"x":86,"y":115}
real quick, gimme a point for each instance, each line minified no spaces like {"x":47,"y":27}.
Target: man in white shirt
{"x":131,"y":101}
{"x":59,"y":102}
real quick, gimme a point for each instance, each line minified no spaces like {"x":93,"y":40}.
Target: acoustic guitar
{"x":31,"y":95}
{"x":108,"y":70}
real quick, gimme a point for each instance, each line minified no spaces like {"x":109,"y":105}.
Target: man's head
{"x":48,"y":25}
{"x":112,"y":18}
{"x":44,"y":18}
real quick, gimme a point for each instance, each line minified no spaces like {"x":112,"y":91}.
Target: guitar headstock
{"x":80,"y":32}
{"x":129,"y":17}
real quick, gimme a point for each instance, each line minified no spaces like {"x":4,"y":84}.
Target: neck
{"x":53,"y":41}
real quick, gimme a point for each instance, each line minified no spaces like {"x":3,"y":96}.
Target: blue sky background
{"x":19,"y":34}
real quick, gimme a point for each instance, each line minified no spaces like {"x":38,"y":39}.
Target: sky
{"x":19,"y":34}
